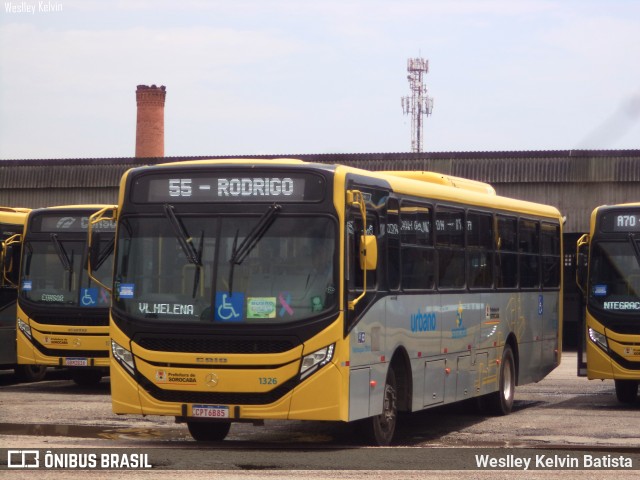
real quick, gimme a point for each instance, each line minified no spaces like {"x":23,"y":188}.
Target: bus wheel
{"x":501,"y":402}
{"x":209,"y":431}
{"x":86,"y":378}
{"x":627,"y":390}
{"x":379,"y":430}
{"x":30,"y":373}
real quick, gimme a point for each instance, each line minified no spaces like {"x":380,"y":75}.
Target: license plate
{"x":209,"y":411}
{"x":76,"y":362}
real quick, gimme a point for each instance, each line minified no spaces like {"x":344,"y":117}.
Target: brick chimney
{"x":150,"y":121}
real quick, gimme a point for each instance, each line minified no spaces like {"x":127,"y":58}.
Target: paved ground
{"x":563,"y":416}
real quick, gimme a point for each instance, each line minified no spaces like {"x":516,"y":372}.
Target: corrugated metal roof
{"x":556,"y":177}
{"x":492,"y":167}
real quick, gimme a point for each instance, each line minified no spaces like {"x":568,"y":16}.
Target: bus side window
{"x":550,"y":249}
{"x":528,"y":238}
{"x":507,"y":256}
{"x":450,"y":246}
{"x":418,"y":255}
{"x":480,"y":250}
{"x":393,"y":244}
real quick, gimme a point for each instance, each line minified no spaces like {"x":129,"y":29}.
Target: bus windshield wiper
{"x":239,"y":253}
{"x":27,"y":268}
{"x":62,"y":253}
{"x":67,"y":263}
{"x":104,"y":254}
{"x":196,"y":273}
{"x":636,"y":247}
{"x":185,"y":241}
{"x":254,"y":236}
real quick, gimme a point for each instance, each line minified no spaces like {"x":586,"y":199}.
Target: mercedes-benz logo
{"x":211,"y":380}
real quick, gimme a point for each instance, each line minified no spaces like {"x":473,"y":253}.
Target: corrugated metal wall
{"x":573,"y":181}
{"x":41,"y":183}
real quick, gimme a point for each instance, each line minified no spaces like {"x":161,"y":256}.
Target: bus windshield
{"x":249,"y":269}
{"x":615,"y":276}
{"x":54,"y":274}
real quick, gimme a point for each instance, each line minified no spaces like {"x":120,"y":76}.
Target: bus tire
{"x":86,"y":378}
{"x":379,"y":430}
{"x":501,"y":402}
{"x":626,"y":391}
{"x":30,"y":373}
{"x":209,"y":431}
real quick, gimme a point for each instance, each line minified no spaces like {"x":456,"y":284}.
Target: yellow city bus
{"x":12,"y":222}
{"x":608,"y":273}
{"x":63,"y":318}
{"x":249,"y":290}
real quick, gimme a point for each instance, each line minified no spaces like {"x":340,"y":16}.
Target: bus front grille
{"x":215,"y":345}
{"x":218,"y":398}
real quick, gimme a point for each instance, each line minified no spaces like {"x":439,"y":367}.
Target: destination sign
{"x":621,"y":221}
{"x":67,"y":223}
{"x":229,"y":187}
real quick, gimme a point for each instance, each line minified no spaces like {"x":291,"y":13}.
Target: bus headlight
{"x":25,"y":328}
{"x":316,"y":360}
{"x":123,"y":356}
{"x":599,"y":339}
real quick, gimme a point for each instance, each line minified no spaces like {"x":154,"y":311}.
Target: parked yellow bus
{"x":12,"y":222}
{"x":248,"y":290}
{"x":608,"y":273}
{"x":63,"y":318}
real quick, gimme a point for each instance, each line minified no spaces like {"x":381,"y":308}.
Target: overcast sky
{"x":318,"y":76}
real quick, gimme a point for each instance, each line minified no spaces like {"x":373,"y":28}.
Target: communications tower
{"x":418,"y":103}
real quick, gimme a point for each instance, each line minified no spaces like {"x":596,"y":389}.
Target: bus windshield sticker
{"x":104,"y":298}
{"x":600,"y":290}
{"x":229,"y":307}
{"x":88,"y":297}
{"x":27,"y":285}
{"x":261,"y":307}
{"x":126,"y":290}
{"x":316,"y":304}
{"x":285,"y":301}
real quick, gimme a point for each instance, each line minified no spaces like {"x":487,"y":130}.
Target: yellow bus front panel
{"x":179,"y":376}
{"x":621,"y":360}
{"x":62,"y":345}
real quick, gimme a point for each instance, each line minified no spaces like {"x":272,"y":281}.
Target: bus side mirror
{"x":6,"y":259}
{"x":96,"y":256}
{"x":368,"y":252}
{"x":8,"y":255}
{"x":7,"y":250}
{"x":582,"y":263}
{"x":94,"y":248}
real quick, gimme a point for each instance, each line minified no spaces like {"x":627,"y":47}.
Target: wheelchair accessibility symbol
{"x":88,"y":297}
{"x":229,"y":307}
{"x":540,"y":304}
